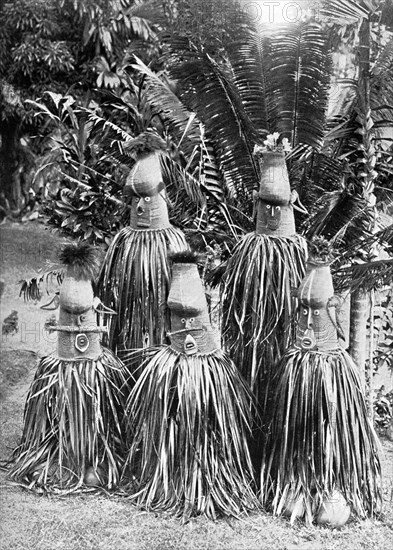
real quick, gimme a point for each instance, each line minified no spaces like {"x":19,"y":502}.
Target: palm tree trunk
{"x":360,"y":301}
{"x":358,"y":331}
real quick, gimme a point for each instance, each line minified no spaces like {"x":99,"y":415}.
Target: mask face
{"x":270,"y":215}
{"x":77,"y":334}
{"x":149,"y":211}
{"x":317,"y":324}
{"x":143,"y":211}
{"x":187,"y":330}
{"x":316,"y":329}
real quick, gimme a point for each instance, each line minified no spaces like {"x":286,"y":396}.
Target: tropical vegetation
{"x":213,"y":86}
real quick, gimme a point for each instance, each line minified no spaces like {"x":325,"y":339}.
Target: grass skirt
{"x":257,"y":305}
{"x":72,"y":421}
{"x":321,"y":438}
{"x":135,"y":281}
{"x":188,"y":427}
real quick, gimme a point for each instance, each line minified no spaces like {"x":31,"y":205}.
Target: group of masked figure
{"x":178,"y":419}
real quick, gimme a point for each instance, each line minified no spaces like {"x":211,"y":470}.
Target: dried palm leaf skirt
{"x":257,"y":306}
{"x":134,"y":281}
{"x":321,"y":439}
{"x":188,"y":437}
{"x":72,"y":423}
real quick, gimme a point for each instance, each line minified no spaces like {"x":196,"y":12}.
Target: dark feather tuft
{"x":184,"y":257}
{"x":81,"y":259}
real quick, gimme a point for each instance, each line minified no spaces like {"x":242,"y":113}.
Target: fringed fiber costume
{"x":189,"y":416}
{"x":135,"y":276}
{"x":322,"y":457}
{"x":257,"y":306}
{"x":72,"y":434}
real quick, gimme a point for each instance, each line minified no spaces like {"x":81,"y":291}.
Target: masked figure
{"x":322,"y":455}
{"x":71,"y":434}
{"x":189,"y":416}
{"x":257,"y":306}
{"x":135,"y":276}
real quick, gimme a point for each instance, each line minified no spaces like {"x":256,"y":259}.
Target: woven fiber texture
{"x":274,"y":209}
{"x":189,"y":312}
{"x":146,"y":176}
{"x":317,"y":321}
{"x":77,"y":314}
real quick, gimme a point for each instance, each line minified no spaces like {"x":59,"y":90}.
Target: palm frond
{"x":248,"y":56}
{"x":321,"y":439}
{"x":346,"y":12}
{"x":188,"y":429}
{"x":299,"y":78}
{"x":366,"y":276}
{"x":181,"y":123}
{"x":208,"y":90}
{"x":344,"y":218}
{"x":72,"y":425}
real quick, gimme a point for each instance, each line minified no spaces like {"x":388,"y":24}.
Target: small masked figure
{"x":71,"y":434}
{"x":257,"y":306}
{"x":135,"y":276}
{"x":322,"y":458}
{"x":188,"y":416}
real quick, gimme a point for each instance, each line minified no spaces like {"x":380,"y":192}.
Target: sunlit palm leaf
{"x":299,"y":78}
{"x":348,"y":11}
{"x":248,"y":56}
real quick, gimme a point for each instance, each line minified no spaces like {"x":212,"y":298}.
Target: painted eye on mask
{"x":183,"y":321}
{"x":147,"y":199}
{"x":268,"y":207}
{"x":316,"y":312}
{"x":278,"y":208}
{"x":305,"y":311}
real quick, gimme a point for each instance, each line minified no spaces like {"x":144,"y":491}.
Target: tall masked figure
{"x":135,"y":276}
{"x":188,"y":416}
{"x":257,"y":306}
{"x":73,"y":413}
{"x":322,"y":456}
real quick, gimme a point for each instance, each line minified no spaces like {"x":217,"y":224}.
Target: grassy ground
{"x":96,"y":521}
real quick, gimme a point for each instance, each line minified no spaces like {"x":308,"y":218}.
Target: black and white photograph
{"x":196,"y":274}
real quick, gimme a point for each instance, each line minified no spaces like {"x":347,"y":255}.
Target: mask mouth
{"x":308,"y":341}
{"x":142,"y":223}
{"x":273,"y":223}
{"x":190,"y":345}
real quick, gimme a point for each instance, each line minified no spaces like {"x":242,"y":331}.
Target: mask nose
{"x":189,"y":323}
{"x":140,"y":208}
